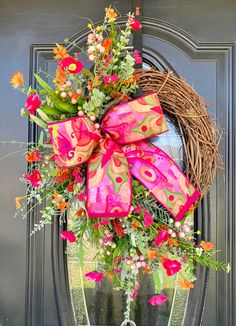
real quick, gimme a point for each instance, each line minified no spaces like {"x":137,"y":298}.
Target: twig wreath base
{"x":199,"y":132}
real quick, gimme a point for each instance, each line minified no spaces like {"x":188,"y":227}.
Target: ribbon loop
{"x":73,"y":140}
{"x":135,"y":120}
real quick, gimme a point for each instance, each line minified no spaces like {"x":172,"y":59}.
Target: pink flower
{"x":68,"y":235}
{"x":71,"y":65}
{"x":163,"y":236}
{"x":94,"y":276}
{"x":137,"y":57}
{"x":34,"y":178}
{"x":77,"y":175}
{"x":96,"y":225}
{"x":134,"y":24}
{"x":158,"y":300}
{"x":137,"y":210}
{"x":148,"y":219}
{"x":81,"y":196}
{"x":110,"y":79}
{"x":134,"y":294}
{"x":108,"y":238}
{"x":32,"y":103}
{"x":171,"y":266}
{"x":104,"y":222}
{"x":117,"y":259}
{"x":117,"y":270}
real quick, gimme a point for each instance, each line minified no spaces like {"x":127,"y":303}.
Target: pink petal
{"x":94,"y":276}
{"x":158,"y":300}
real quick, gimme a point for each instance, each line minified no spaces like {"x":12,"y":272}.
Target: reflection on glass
{"x":100,"y":305}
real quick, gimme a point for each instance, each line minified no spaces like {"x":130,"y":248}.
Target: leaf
{"x":81,"y":254}
{"x":41,"y":137}
{"x":87,"y":73}
{"x":43,"y":116}
{"x":61,"y":105}
{"x":39,"y":122}
{"x":158,"y":280}
{"x":51,"y":110}
{"x":43,"y":84}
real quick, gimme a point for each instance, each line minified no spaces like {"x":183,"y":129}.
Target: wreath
{"x":93,"y":159}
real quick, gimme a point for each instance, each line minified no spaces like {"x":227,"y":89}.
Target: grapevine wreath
{"x":94,"y":159}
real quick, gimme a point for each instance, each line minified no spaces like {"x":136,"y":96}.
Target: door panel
{"x":196,"y":41}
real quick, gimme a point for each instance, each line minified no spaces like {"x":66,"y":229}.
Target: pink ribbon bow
{"x":118,"y":150}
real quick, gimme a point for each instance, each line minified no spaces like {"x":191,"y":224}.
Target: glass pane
{"x":100,"y":305}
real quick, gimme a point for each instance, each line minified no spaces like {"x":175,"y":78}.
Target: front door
{"x":196,"y":41}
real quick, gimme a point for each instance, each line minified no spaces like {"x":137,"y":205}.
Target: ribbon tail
{"x":109,"y":187}
{"x":162,"y":177}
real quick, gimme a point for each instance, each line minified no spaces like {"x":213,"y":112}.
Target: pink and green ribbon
{"x":118,"y":150}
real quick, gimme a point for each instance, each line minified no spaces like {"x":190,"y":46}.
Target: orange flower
{"x":60,"y":78}
{"x":130,"y":80}
{"x":135,"y":225}
{"x":62,"y":206}
{"x":206,"y":245}
{"x":151,"y":254}
{"x":184,"y":284}
{"x":17,"y":79}
{"x":107,"y":44}
{"x":63,"y":175}
{"x":109,"y":274}
{"x":111,"y":14}
{"x":57,"y":197}
{"x":17,"y":201}
{"x":147,"y":270}
{"x":173,"y":242}
{"x":80,"y":212}
{"x":60,"y":52}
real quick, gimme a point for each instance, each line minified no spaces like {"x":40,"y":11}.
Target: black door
{"x":194,"y":39}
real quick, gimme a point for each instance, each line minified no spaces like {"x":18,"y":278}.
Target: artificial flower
{"x":80,"y":212}
{"x":71,"y":65}
{"x":110,"y":79}
{"x":134,"y":225}
{"x":173,"y":242}
{"x":120,"y":96}
{"x":171,"y":266}
{"x":185,"y":284}
{"x":17,"y":79}
{"x":111,"y":14}
{"x":134,"y":294}
{"x":60,"y":52}
{"x":96,"y":225}
{"x":107,"y":43}
{"x":60,"y":77}
{"x":94,"y":276}
{"x":137,"y":209}
{"x":135,"y":24}
{"x":206,"y":245}
{"x":57,"y":197}
{"x":137,"y":57}
{"x":148,"y":219}
{"x":68,"y":235}
{"x":151,"y":254}
{"x":32,"y":103}
{"x":81,"y":196}
{"x":62,"y":206}
{"x":104,"y":222}
{"x":70,"y":187}
{"x":77,"y":174}
{"x":34,"y":178}
{"x":63,"y":175}
{"x":17,"y":201}
{"x":108,"y":238}
{"x":158,"y":300}
{"x":163,"y":236}
{"x":33,"y":156}
{"x":117,"y":270}
{"x":118,"y":227}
